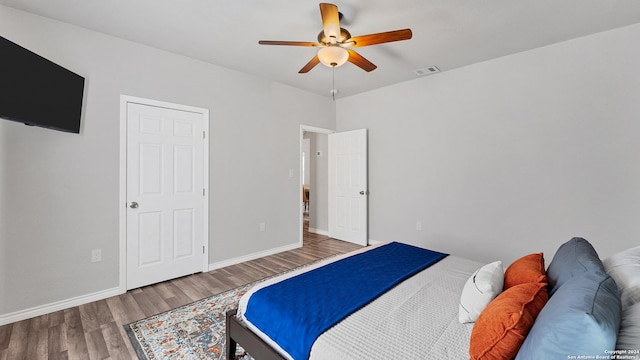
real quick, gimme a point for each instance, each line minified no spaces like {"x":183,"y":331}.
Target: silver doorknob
{"x":133,"y":205}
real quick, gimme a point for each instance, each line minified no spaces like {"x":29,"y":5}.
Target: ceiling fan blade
{"x":330,"y":20}
{"x":310,"y":65}
{"x":380,"y":38}
{"x":290,"y":43}
{"x":359,"y":61}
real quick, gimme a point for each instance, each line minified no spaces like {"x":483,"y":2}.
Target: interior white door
{"x":348,"y":186}
{"x":165,"y":194}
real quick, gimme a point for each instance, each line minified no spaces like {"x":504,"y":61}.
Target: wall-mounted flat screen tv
{"x":38,"y":92}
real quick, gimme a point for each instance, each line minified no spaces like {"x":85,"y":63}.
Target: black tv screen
{"x":36,"y":91}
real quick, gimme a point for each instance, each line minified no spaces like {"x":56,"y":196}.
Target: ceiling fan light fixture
{"x":333,"y":56}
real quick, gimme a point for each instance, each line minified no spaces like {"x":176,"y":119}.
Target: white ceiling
{"x":446,"y":33}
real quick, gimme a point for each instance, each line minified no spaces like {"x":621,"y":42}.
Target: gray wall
{"x":59,"y":192}
{"x":510,"y":156}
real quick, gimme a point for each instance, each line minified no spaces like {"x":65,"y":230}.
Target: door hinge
{"x":203,"y":249}
{"x":204,"y":134}
{"x":203,"y":192}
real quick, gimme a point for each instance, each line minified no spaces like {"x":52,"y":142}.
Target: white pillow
{"x":482,"y":287}
{"x":624,"y":268}
{"x":629,"y":334}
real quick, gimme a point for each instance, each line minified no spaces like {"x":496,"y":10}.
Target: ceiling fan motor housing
{"x":344,"y":36}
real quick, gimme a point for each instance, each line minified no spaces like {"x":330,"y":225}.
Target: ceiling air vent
{"x":426,"y":71}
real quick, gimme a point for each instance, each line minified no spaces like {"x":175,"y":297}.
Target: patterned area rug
{"x":192,"y":331}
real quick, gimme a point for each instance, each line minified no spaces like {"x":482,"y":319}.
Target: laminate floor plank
{"x":89,"y":317}
{"x":55,"y":318}
{"x":103,"y":313}
{"x":18,"y":343}
{"x":193,"y":290}
{"x":162,"y":290}
{"x":223,"y":279}
{"x":56,"y":343}
{"x":76,"y":341}
{"x":149,"y":301}
{"x":121,"y":317}
{"x":5,"y":335}
{"x":38,"y":339}
{"x":176,"y":297}
{"x":96,"y":330}
{"x":130,"y":305}
{"x":214,"y":284}
{"x":115,"y":343}
{"x":96,"y":345}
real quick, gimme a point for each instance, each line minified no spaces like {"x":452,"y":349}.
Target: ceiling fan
{"x":336,"y":43}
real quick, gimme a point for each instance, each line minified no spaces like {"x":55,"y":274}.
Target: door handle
{"x":364,"y":192}
{"x":133,"y":205}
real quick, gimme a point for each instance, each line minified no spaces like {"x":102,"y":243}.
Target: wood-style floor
{"x":95,"y":330}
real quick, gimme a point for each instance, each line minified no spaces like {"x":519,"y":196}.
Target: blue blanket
{"x":296,"y":311}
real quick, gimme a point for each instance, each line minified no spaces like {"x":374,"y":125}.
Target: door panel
{"x":184,"y":233}
{"x":183,"y":169}
{"x":150,"y":238}
{"x":165,"y":180}
{"x":150,"y":169}
{"x":348,"y":194}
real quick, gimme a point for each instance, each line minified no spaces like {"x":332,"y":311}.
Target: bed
{"x":457,"y":308}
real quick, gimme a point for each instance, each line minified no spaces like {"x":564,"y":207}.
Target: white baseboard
{"x":57,"y":306}
{"x":249,"y":257}
{"x":319,"y":232}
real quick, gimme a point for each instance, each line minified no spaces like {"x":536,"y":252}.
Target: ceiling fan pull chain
{"x":333,"y":82}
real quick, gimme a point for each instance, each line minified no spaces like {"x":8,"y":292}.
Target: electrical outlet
{"x":419,"y":226}
{"x":96,"y":255}
{"x":263,"y":227}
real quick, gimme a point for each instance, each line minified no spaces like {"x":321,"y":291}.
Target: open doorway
{"x":314,"y":210}
{"x":337,"y":183}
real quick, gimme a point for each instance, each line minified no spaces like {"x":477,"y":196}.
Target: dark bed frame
{"x":237,"y":333}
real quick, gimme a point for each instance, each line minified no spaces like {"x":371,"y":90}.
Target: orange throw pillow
{"x":503,"y":325}
{"x":527,"y":269}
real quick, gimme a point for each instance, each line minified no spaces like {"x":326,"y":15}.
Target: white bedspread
{"x":417,"y":319}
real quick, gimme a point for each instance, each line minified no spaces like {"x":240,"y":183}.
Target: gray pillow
{"x":582,"y":318}
{"x":574,"y":257}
